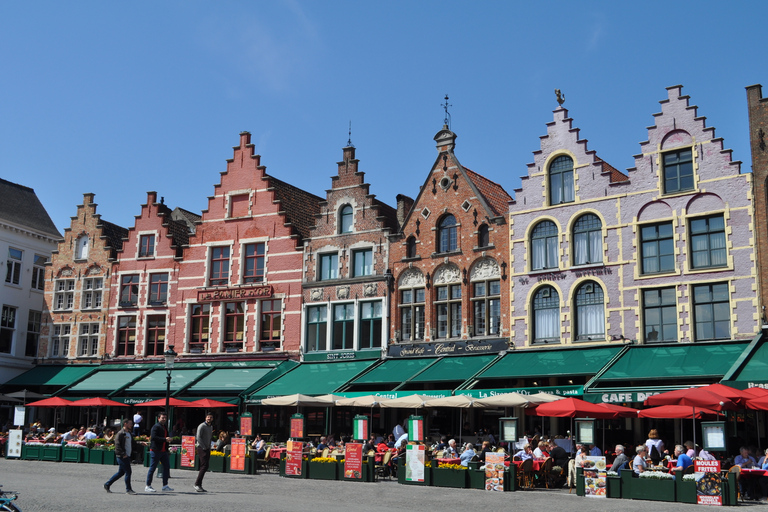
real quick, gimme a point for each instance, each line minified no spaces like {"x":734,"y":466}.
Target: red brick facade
{"x":758,"y":138}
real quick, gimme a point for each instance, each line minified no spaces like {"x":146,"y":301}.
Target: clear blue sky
{"x":118,"y":98}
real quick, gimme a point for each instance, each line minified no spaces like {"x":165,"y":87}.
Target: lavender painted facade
{"x":663,"y":253}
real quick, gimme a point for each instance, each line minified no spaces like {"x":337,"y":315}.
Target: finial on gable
{"x":560,"y":97}
{"x":349,"y":140}
{"x":447,"y":118}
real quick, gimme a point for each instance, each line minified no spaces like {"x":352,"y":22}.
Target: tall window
{"x":410,"y":247}
{"x":126,"y":335}
{"x":712,"y":312}
{"x":158,"y":288}
{"x":483,"y":237}
{"x":678,"y":171}
{"x":708,"y":242}
{"x":33,"y":333}
{"x":544,"y":246}
{"x":343,"y":326}
{"x":155,"y":335}
{"x":13,"y":272}
{"x":271,"y":323}
{"x":219,"y":275}
{"x":81,"y":247}
{"x":546,"y":315}
{"x":234,"y":326}
{"x":317,"y":322}
{"x":7,"y":329}
{"x":370,"y":325}
{"x":660,"y":315}
{"x":60,"y":340}
{"x":448,"y":305}
{"x":38,"y":272}
{"x":200,"y":317}
{"x":254,"y":263}
{"x":561,"y":180}
{"x":412,"y":314}
{"x":363,"y":262}
{"x":129,"y":290}
{"x":64,"y":297}
{"x":92,"y":288}
{"x":329,"y":266}
{"x":658,"y":248}
{"x":590,"y":312}
{"x":346,"y":219}
{"x":486,"y":307}
{"x":89,"y":340}
{"x":446,"y":234}
{"x":146,"y":246}
{"x":587,"y":240}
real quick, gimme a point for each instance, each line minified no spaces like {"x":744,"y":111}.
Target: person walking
{"x":158,"y":452}
{"x":123,"y":448}
{"x":203,"y":442}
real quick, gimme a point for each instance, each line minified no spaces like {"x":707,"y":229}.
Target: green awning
{"x":453,"y":369}
{"x":554,"y":363}
{"x":754,"y":372}
{"x":156,"y":380}
{"x":314,"y":379}
{"x":107,"y":381}
{"x":394,"y":370}
{"x":51,"y":375}
{"x":228,"y":380}
{"x":674,"y":362}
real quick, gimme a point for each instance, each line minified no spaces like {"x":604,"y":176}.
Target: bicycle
{"x":6,"y":501}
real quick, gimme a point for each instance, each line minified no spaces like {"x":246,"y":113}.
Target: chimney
{"x":404,"y":205}
{"x":245,"y":138}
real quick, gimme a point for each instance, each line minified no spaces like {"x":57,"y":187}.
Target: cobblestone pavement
{"x":49,"y":486}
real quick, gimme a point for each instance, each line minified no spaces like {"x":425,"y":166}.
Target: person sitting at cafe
{"x":223,"y":441}
{"x":70,"y":436}
{"x":89,"y":434}
{"x":638,"y":463}
{"x":450,"y":450}
{"x":655,"y":446}
{"x":259,"y":447}
{"x":683,"y":460}
{"x":690,"y":449}
{"x":485,"y":448}
{"x":108,"y":435}
{"x":50,"y":436}
{"x":621,"y":458}
{"x":467,"y":454}
{"x":402,"y":441}
{"x":524,"y":454}
{"x":596,"y":451}
{"x":558,"y":454}
{"x":443,"y":444}
{"x":391,"y":440}
{"x":370,"y":444}
{"x":541,"y":450}
{"x":321,"y":445}
{"x":746,"y":461}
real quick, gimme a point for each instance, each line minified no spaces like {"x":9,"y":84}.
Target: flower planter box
{"x":73,"y":454}
{"x":304,"y":470}
{"x":246,"y":467}
{"x":51,"y":453}
{"x":109,"y":458}
{"x":652,"y":489}
{"x":96,"y":456}
{"x":444,"y":477}
{"x":401,"y":474}
{"x":685,"y":489}
{"x":368,"y":471}
{"x":174,"y":459}
{"x":613,"y":487}
{"x":31,"y":451}
{"x":579,"y":481}
{"x":218,"y":464}
{"x":323,"y":470}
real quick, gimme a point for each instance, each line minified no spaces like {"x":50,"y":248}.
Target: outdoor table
{"x":671,"y":464}
{"x":754,"y":472}
{"x":276,"y":453}
{"x":379,"y":456}
{"x":449,"y":461}
{"x":536,"y":464}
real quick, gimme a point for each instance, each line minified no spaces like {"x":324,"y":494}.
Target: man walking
{"x":203,"y":442}
{"x":158,"y":452}
{"x":123,"y":456}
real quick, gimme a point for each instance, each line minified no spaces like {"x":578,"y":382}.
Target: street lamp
{"x":170,"y":355}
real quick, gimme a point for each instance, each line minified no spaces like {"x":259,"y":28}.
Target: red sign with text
{"x":246,"y":425}
{"x":353,"y":461}
{"x":293,"y":458}
{"x":187,"y":451}
{"x":709,"y":484}
{"x":297,"y":428}
{"x":237,"y":454}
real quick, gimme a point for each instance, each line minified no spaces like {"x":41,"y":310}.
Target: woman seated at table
{"x":222,"y":442}
{"x":525,"y":454}
{"x":638,"y":463}
{"x":484,"y":449}
{"x":541,"y":450}
{"x":467,"y":454}
{"x":258,"y":446}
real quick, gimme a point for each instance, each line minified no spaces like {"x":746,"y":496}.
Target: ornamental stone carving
{"x":411,"y":278}
{"x":66,"y":272}
{"x":370,"y":289}
{"x":342,"y":292}
{"x":485,"y":269}
{"x":447,"y":274}
{"x":316,"y":294}
{"x":95,"y":269}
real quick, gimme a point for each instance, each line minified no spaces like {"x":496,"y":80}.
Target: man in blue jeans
{"x":123,"y":449}
{"x":158,"y":451}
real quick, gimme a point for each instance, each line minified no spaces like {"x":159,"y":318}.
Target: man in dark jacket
{"x":158,"y":451}
{"x":123,"y":449}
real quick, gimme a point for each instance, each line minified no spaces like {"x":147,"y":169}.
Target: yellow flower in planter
{"x":214,"y":453}
{"x":324,"y":459}
{"x":450,"y":466}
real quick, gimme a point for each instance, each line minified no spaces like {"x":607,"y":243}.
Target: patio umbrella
{"x":5,"y":398}
{"x":362,"y":401}
{"x":407,"y":402}
{"x":755,"y":392}
{"x":25,"y":395}
{"x":330,"y":399}
{"x":571,"y":408}
{"x":54,"y":401}
{"x":504,"y":400}
{"x":623,"y":412}
{"x":459,"y":401}
{"x":673,"y":412}
{"x":207,"y":403}
{"x":296,"y":400}
{"x":97,"y":402}
{"x":543,"y":398}
{"x":736,"y":395}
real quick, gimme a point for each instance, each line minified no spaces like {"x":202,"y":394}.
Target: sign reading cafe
{"x":242,"y":293}
{"x":447,"y":348}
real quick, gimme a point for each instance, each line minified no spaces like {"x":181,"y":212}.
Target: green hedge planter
{"x":685,"y":489}
{"x":652,"y":489}
{"x":304,"y":470}
{"x":95,"y":456}
{"x":457,"y":478}
{"x":323,"y":470}
{"x":175,"y":460}
{"x":401,"y":474}
{"x":218,"y":464}
{"x":246,"y":467}
{"x":579,"y":481}
{"x":109,"y":458}
{"x":51,"y":453}
{"x":31,"y":451}
{"x":613,"y":487}
{"x":72,"y":454}
{"x":476,"y":479}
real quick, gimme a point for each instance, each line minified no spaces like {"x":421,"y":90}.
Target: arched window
{"x":561,"y":180}
{"x":590,"y":312}
{"x":410,"y":247}
{"x":483,"y":239}
{"x":587,"y":240}
{"x":81,"y":248}
{"x":345,"y":219}
{"x":544,"y":246}
{"x":546,"y":315}
{"x":446,"y":235}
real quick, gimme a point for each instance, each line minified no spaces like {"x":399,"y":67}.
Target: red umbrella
{"x":693,"y":397}
{"x":54,"y":401}
{"x":755,"y":392}
{"x":673,"y":411}
{"x":572,"y":408}
{"x":160,"y":402}
{"x":97,"y":402}
{"x":760,"y":404}
{"x":621,"y":411}
{"x":207,"y":403}
{"x":736,"y":395}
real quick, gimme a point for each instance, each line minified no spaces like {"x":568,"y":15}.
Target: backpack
{"x":655,"y":455}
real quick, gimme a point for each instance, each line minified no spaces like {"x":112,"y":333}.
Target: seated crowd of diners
{"x":38,"y":433}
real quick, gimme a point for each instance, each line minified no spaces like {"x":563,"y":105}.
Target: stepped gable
{"x":300,"y":206}
{"x":113,"y":234}
{"x":21,"y":206}
{"x":388,"y":213}
{"x":493,"y":193}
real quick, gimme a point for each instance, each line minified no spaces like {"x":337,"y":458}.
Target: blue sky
{"x":119,"y":98}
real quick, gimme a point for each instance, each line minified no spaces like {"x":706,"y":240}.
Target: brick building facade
{"x":758,"y":133}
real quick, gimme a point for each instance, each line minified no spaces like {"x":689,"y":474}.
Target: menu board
{"x":414,"y":463}
{"x":594,"y":477}
{"x":19,"y":413}
{"x":494,"y":471}
{"x":293,"y":458}
{"x":353,"y":461}
{"x":237,"y":454}
{"x":246,"y":425}
{"x":13,"y":444}
{"x":709,"y":485}
{"x":187,"y":451}
{"x":297,"y":426}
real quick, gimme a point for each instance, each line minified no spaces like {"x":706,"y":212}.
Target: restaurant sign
{"x":552,"y":390}
{"x":619,"y":397}
{"x":448,"y":348}
{"x":241,"y":293}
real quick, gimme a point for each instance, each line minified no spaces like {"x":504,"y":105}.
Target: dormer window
{"x":81,"y":247}
{"x":446,"y":235}
{"x":561,"y":180}
{"x":146,"y":246}
{"x":678,"y":171}
{"x":345,"y":219}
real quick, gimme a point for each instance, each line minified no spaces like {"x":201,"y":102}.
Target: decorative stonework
{"x":447,"y":274}
{"x":316,"y":294}
{"x":411,"y":278}
{"x":370,"y":290}
{"x":342,"y":292}
{"x":66,"y":272}
{"x":94,"y":270}
{"x":485,"y":269}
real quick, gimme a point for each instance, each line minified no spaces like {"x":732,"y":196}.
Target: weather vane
{"x":447,"y":120}
{"x":560,"y":97}
{"x":349,"y":140}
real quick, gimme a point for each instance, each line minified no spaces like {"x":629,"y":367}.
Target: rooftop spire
{"x":349,"y":140}
{"x":447,"y":119}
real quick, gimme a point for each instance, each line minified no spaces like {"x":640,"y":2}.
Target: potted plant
{"x":217,"y":462}
{"x":324,"y":468}
{"x":32,"y":451}
{"x":450,"y":475}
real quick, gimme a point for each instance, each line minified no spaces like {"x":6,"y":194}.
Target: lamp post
{"x":170,"y":356}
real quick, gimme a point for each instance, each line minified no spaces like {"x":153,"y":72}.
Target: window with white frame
{"x":346,"y":219}
{"x":34,"y":319}
{"x":343,"y":326}
{"x":88,"y":342}
{"x":544,"y":246}
{"x":328,"y":266}
{"x":38,"y":272}
{"x":146,"y":246}
{"x":234,"y":326}
{"x":712,"y":311}
{"x":129,"y":290}
{"x":271,"y":324}
{"x":561,"y":187}
{"x":678,"y":170}
{"x":657,"y":248}
{"x":590,"y":312}
{"x":546,"y":315}
{"x":7,"y":329}
{"x":362,"y":262}
{"x":412,"y":314}
{"x":155,"y":335}
{"x":64,"y":296}
{"x":317,"y":325}
{"x":158,"y":288}
{"x":707,"y":236}
{"x":219,"y":272}
{"x":448,"y":307}
{"x":60,"y":340}
{"x":200,"y":316}
{"x":370,"y":325}
{"x":126,"y":335}
{"x":81,"y":247}
{"x":253,"y":267}
{"x":486,"y":307}
{"x":447,"y":234}
{"x":13,"y":270}
{"x":92,"y":290}
{"x":660,"y":315}
{"x":587,"y":240}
